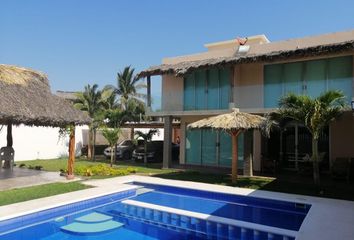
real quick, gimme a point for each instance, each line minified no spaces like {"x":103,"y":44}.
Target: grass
{"x":55,"y":165}
{"x":220,"y":179}
{"x":287,"y":183}
{"x":40,"y":191}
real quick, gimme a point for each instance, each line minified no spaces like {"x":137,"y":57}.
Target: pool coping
{"x":327,"y":218}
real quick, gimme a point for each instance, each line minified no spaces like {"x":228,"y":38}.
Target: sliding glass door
{"x":211,"y":148}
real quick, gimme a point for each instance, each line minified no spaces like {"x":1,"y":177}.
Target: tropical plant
{"x":115,"y":117}
{"x":127,"y":88}
{"x":112,"y":136}
{"x":147,"y":138}
{"x":135,"y":110}
{"x":93,"y":101}
{"x":314,"y":114}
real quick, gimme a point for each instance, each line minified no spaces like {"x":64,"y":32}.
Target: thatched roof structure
{"x":25,"y":98}
{"x":235,"y":120}
{"x":183,"y":68}
{"x":68,"y":95}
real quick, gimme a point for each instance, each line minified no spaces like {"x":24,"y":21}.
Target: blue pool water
{"x":266,"y":212}
{"x":107,"y":217}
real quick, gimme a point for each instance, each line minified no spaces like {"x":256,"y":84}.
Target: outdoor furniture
{"x":341,"y":168}
{"x":7,"y":154}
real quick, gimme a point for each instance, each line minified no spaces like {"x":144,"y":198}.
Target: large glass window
{"x":272,"y":85}
{"x":224,"y":81}
{"x":211,"y":148}
{"x":292,"y":78}
{"x":213,"y":89}
{"x":193,"y":153}
{"x":189,"y":99}
{"x":307,"y":77}
{"x":207,"y":89}
{"x":340,"y":75}
{"x":315,"y":78}
{"x":200,"y":90}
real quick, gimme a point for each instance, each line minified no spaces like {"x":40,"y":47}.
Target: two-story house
{"x":253,"y":77}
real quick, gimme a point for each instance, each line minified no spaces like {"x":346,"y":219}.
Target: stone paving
{"x":21,"y":177}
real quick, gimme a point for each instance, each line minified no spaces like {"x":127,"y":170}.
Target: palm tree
{"x":112,"y":136}
{"x":147,"y":138}
{"x":128,"y":86}
{"x":314,"y":114}
{"x":92,"y":101}
{"x":135,"y":110}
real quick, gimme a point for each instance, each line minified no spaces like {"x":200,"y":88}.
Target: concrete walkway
{"x":22,"y":177}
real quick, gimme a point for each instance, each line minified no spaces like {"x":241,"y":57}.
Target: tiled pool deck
{"x":327,"y":218}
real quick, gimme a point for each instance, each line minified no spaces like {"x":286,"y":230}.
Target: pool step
{"x":93,"y":223}
{"x":94,"y":218}
{"x":211,"y":226}
{"x":143,"y":190}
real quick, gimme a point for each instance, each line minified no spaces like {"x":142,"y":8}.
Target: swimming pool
{"x":274,"y":213}
{"x":150,"y":211}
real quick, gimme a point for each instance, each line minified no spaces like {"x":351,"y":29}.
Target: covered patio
{"x":26,"y":98}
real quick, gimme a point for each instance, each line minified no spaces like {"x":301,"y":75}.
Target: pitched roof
{"x":321,"y":45}
{"x":68,"y":95}
{"x":25,"y":98}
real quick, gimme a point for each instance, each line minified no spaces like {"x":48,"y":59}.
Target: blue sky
{"x":77,"y":42}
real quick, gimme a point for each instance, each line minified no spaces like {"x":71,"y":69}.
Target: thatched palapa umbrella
{"x":233,"y":123}
{"x":25,"y":98}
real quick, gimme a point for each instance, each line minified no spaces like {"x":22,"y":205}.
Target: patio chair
{"x":341,"y":168}
{"x":7,"y":154}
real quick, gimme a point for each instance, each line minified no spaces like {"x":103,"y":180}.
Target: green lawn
{"x":40,"y":191}
{"x":288,"y":182}
{"x":55,"y":165}
{"x":220,"y":179}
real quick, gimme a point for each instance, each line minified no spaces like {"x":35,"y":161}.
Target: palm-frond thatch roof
{"x":183,"y":68}
{"x":25,"y":98}
{"x":235,"y":120}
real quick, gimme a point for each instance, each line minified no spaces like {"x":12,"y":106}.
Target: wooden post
{"x":9,"y":135}
{"x":148,"y":83}
{"x":94,"y":144}
{"x":89,"y":143}
{"x":248,"y":153}
{"x":132,"y":133}
{"x":234,"y":135}
{"x":71,"y":159}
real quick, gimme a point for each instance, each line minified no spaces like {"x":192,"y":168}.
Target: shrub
{"x":38,"y":168}
{"x":103,"y":170}
{"x":22,"y":165}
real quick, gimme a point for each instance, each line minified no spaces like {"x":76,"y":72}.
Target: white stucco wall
{"x":32,"y":143}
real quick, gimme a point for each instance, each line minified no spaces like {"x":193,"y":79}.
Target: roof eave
{"x":178,"y":70}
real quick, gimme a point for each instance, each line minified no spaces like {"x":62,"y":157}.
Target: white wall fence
{"x":31,"y":143}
